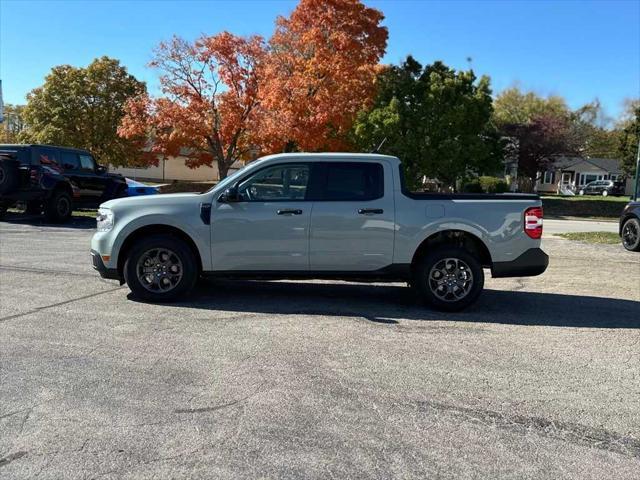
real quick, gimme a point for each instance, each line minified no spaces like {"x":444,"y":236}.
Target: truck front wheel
{"x":448,"y":278}
{"x":59,"y":207}
{"x":160,"y":268}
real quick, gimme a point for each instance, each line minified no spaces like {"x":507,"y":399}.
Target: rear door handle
{"x":370,"y":211}
{"x":289,"y":212}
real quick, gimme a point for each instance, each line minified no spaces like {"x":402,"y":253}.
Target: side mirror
{"x":230,"y":195}
{"x":101,"y":169}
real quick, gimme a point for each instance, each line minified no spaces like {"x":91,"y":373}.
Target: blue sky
{"x":578,"y":49}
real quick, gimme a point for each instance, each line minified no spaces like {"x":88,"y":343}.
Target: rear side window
{"x":70,"y":161}
{"x":353,"y":181}
{"x":49,"y":157}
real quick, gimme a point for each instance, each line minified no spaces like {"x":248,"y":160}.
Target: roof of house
{"x":609,"y":165}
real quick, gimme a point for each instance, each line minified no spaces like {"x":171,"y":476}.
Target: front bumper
{"x":531,"y":263}
{"x":98,"y":264}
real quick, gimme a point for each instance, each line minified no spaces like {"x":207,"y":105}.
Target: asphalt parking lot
{"x":540,"y":379}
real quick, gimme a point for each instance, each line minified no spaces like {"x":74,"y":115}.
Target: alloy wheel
{"x":159,"y":270}
{"x":450,"y":279}
{"x":63,"y":207}
{"x":630,"y":235}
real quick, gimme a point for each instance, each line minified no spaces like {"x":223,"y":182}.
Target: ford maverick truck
{"x":320,"y":216}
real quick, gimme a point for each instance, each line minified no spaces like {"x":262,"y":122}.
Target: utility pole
{"x":636,"y":193}
{"x":1,"y":104}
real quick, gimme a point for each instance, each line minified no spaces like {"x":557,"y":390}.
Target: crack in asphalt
{"x":15,"y":268}
{"x":11,"y":457}
{"x":16,"y":412}
{"x":58,"y":304}
{"x":220,"y":407}
{"x":558,"y":430}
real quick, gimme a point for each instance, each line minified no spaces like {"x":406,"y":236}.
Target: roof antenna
{"x":377,"y":149}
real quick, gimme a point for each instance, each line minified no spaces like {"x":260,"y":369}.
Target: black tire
{"x":34,"y":207}
{"x":59,"y":207}
{"x":467,"y":280}
{"x":151,"y":289}
{"x":9,"y":175}
{"x":3,"y":209}
{"x":631,"y":235}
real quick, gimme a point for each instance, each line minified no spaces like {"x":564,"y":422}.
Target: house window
{"x":614,"y":177}
{"x":588,"y":177}
{"x":548,"y":177}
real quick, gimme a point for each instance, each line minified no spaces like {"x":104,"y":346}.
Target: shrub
{"x":472,"y":187}
{"x":486,"y":185}
{"x":493,"y":185}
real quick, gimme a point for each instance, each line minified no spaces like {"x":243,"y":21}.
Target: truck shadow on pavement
{"x":81,"y":222}
{"x":387,"y":304}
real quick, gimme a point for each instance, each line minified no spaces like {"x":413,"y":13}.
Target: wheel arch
{"x":625,"y":219}
{"x":453,"y":237}
{"x":155,"y":229}
{"x":61,"y":185}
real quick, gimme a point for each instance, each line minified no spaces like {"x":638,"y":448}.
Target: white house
{"x":174,"y":168}
{"x":575,"y":172}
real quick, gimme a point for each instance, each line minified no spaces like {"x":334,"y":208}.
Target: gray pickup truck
{"x":329,"y":216}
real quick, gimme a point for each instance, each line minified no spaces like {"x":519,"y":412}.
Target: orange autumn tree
{"x":208,"y":108}
{"x":320,"y":72}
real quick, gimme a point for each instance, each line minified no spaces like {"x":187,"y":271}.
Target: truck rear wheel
{"x":160,"y":268}
{"x":448,"y":278}
{"x":9,"y":175}
{"x":631,"y":235}
{"x":4,"y":206}
{"x":59,"y":207}
{"x":34,"y":207}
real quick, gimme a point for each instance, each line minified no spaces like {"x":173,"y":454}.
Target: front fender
{"x":196,"y":230}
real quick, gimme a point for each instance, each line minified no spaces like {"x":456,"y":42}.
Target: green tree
{"x":435,"y":119}
{"x":629,"y":138}
{"x":82,"y":107}
{"x":592,"y":133}
{"x":541,"y":128}
{"x":13,"y":123}
{"x":514,"y":107}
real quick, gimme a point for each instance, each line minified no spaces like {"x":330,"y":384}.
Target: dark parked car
{"x":603,"y":187}
{"x":630,"y":226}
{"x":54,"y":180}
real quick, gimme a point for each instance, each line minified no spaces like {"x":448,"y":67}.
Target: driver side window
{"x":277,"y":183}
{"x":87,"y":163}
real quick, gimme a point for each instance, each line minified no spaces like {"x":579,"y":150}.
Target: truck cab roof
{"x":322,"y":157}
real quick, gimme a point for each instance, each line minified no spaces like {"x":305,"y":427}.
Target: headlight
{"x":104,"y":220}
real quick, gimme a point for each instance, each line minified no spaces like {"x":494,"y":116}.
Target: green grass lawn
{"x":592,"y":237}
{"x":584,"y":206}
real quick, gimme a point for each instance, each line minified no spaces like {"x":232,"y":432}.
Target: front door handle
{"x":289,"y":212}
{"x":370,"y":211}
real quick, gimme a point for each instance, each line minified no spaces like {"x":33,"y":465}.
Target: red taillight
{"x":533,"y":222}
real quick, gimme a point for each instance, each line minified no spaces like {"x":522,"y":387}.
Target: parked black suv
{"x":603,"y":187}
{"x":54,"y":179}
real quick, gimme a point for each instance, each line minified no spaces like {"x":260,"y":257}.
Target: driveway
{"x":540,"y":379}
